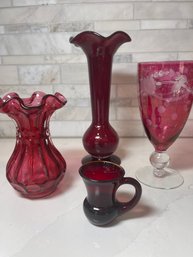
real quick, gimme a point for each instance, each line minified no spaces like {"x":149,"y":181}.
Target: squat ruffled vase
{"x":100,"y":140}
{"x":35,"y":167}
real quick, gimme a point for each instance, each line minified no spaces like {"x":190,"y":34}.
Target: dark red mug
{"x":102,"y":179}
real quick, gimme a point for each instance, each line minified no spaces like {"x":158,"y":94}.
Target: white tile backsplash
{"x":24,"y":90}
{"x":5,"y":3}
{"x":164,"y":24}
{"x":35,"y":54}
{"x":33,"y":2}
{"x":9,"y":75}
{"x":145,"y":57}
{"x":128,"y":113}
{"x":35,"y":44}
{"x":126,"y":91}
{"x":163,"y":40}
{"x":113,"y":25}
{"x":75,"y":73}
{"x":99,"y":11}
{"x":163,"y":10}
{"x":39,"y":74}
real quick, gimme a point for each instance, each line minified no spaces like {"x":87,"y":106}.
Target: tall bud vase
{"x":100,"y":140}
{"x":35,"y":167}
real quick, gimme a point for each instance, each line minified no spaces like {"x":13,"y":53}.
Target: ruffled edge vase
{"x":35,"y":167}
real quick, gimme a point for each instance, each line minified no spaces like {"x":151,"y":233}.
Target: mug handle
{"x":126,"y":206}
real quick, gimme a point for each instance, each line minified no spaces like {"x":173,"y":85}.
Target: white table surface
{"x":161,"y":225}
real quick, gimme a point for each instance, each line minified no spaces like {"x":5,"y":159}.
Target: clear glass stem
{"x":159,"y":160}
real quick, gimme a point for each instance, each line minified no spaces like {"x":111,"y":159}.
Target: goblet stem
{"x":159,"y":160}
{"x":161,"y":177}
{"x":159,"y":172}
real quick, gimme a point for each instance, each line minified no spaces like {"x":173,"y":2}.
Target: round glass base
{"x":113,"y":158}
{"x":171,"y":179}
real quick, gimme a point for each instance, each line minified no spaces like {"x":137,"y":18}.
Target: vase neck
{"x":31,"y":126}
{"x":100,"y":82}
{"x":31,"y":136}
{"x":40,"y":133}
{"x":99,"y":51}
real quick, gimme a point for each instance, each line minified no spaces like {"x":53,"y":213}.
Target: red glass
{"x":102,"y":179}
{"x":100,"y":140}
{"x":35,"y":167}
{"x":165,"y":101}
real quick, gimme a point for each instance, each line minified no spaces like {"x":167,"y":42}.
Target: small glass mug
{"x":102,"y":179}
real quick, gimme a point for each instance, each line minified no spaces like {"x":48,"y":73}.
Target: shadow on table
{"x":181,"y":154}
{"x":142,"y":209}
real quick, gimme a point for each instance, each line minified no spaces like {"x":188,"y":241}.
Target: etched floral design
{"x":165,"y":97}
{"x":165,"y":82}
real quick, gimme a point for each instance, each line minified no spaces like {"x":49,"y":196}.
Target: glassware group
{"x":165,"y":99}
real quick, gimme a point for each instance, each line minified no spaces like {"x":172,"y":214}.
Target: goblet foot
{"x":170,"y":178}
{"x":113,"y":158}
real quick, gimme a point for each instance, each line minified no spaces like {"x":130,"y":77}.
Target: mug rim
{"x":119,"y":176}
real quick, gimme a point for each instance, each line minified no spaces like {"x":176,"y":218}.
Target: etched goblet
{"x":165,"y":100}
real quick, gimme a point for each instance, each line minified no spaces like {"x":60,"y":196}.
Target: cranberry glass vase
{"x":100,"y":140}
{"x":165,"y":100}
{"x":35,"y":167}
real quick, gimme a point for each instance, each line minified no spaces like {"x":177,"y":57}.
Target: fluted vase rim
{"x":97,"y":35}
{"x":27,"y":102}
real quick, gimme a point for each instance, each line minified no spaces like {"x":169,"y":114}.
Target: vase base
{"x":38,"y":191}
{"x":113,"y":158}
{"x":39,"y":195}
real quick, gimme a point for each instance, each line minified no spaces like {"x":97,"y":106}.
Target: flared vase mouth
{"x":88,"y":40}
{"x":101,"y":172}
{"x":97,"y":35}
{"x":36,"y":101}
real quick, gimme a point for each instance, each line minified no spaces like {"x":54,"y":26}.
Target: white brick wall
{"x":35,"y":54}
{"x":8,"y":75}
